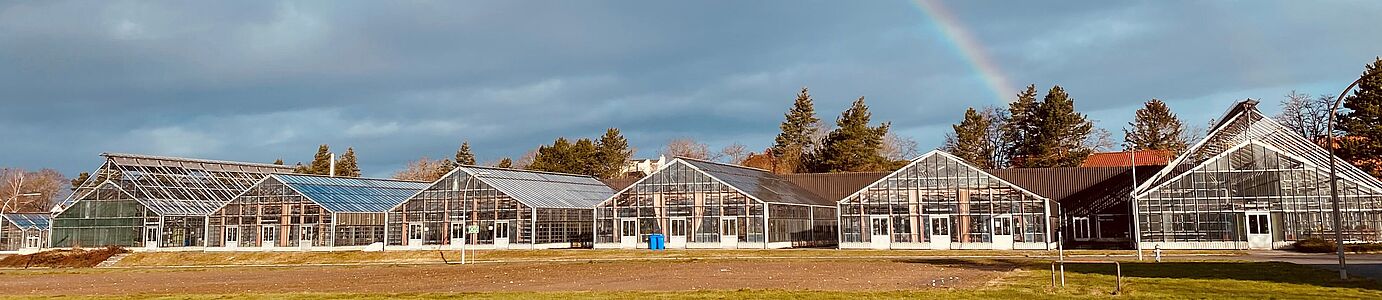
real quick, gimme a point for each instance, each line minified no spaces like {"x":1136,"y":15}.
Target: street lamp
{"x":1334,"y":178}
{"x":15,"y":200}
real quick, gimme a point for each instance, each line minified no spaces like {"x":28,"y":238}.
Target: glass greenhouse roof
{"x":543,"y":189}
{"x":339,"y":194}
{"x":29,"y":221}
{"x":174,"y":186}
{"x":759,"y":184}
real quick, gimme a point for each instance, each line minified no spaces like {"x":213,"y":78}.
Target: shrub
{"x":1314,"y":245}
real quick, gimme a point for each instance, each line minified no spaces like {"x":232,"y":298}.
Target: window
{"x":731,"y":227}
{"x":232,"y":235}
{"x":628,"y":228}
{"x":678,"y":227}
{"x":1002,"y":226}
{"x":940,"y":226}
{"x":878,"y":226}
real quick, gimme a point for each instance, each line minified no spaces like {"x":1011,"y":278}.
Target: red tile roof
{"x":1124,"y":159}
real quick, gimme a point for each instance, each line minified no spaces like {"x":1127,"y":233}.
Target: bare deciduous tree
{"x":735,"y":153}
{"x":526,"y":160}
{"x":25,"y":191}
{"x":686,"y":147}
{"x":1304,"y":115}
{"x":898,"y":148}
{"x":423,"y":169}
{"x":1101,"y":140}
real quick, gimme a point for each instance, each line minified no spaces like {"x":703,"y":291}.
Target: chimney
{"x":333,"y":165}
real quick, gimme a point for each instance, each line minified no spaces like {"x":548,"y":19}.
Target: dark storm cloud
{"x":259,"y":80}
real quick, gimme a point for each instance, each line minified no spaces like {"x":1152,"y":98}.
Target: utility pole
{"x":1334,"y":178}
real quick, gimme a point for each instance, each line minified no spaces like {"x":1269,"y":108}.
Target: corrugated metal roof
{"x":834,"y":186}
{"x":40,"y":221}
{"x":544,"y":189}
{"x":759,"y":184}
{"x":1078,"y":190}
{"x":340,"y":194}
{"x":1125,"y":158}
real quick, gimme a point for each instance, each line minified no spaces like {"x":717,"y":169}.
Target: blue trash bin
{"x":657,"y":241}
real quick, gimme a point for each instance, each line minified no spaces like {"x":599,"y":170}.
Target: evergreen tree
{"x":795,"y":141}
{"x":1061,"y":133}
{"x":347,"y":166}
{"x":301,"y":169}
{"x":1360,"y":124}
{"x":321,"y":163}
{"x":81,"y":178}
{"x":613,"y":153}
{"x":853,"y":146}
{"x":464,"y":156}
{"x":552,"y":157}
{"x":970,"y":140}
{"x":1021,"y":127}
{"x":505,"y":163}
{"x":1155,"y":127}
{"x":278,"y":162}
{"x":585,"y":158}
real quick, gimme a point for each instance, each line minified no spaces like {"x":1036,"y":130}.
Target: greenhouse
{"x":940,"y":202}
{"x":23,"y":231}
{"x":497,"y":208}
{"x":151,"y":201}
{"x":308,"y":212}
{"x":1254,"y":184}
{"x":702,"y":204}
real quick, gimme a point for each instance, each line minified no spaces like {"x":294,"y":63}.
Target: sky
{"x":264,"y":80}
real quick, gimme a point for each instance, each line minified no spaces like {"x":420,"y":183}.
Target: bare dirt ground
{"x":601,"y":276}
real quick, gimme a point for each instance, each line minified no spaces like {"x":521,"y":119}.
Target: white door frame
{"x":152,"y":233}
{"x":676,"y":233}
{"x":305,"y":239}
{"x":458,"y":232}
{"x":1263,"y":238}
{"x":1002,"y":232}
{"x":416,"y":234}
{"x":32,"y":239}
{"x":880,"y":232}
{"x":729,"y":232}
{"x":230,"y":236}
{"x":268,"y":236}
{"x":628,"y":233}
{"x":939,"y":224}
{"x":502,"y":232}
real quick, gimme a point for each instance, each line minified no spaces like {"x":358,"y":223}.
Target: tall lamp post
{"x":1334,"y":178}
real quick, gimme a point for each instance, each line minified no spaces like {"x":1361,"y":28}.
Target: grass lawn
{"x":144,"y":259}
{"x":1182,"y":280}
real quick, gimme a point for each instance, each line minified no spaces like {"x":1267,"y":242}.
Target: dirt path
{"x":611,"y":276}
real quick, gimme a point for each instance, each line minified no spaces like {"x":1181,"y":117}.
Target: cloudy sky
{"x":262,"y":80}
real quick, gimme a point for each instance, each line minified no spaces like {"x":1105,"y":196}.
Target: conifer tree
{"x":505,"y":163}
{"x":969,"y":140}
{"x":585,"y":158}
{"x":854,"y":145}
{"x":1155,"y":127}
{"x":1360,"y":124}
{"x":301,"y":169}
{"x":321,"y":162}
{"x":795,"y":141}
{"x":1020,"y":129}
{"x":347,"y":166}
{"x":613,"y":153}
{"x":464,"y":156}
{"x":81,"y":178}
{"x":1061,"y":132}
{"x":278,"y":162}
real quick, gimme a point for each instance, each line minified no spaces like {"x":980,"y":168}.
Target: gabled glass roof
{"x":172,"y":186}
{"x":29,"y":221}
{"x":1244,"y":124}
{"x":759,"y":184}
{"x":941,"y":170}
{"x":339,"y":194}
{"x":542,"y":189}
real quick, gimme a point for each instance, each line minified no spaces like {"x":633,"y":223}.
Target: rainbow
{"x":968,"y":46}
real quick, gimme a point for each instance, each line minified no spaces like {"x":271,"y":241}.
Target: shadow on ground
{"x":1278,"y":272}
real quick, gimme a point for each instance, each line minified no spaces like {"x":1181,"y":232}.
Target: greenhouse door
{"x":308,"y":233}
{"x":729,"y":233}
{"x":501,"y":234}
{"x":878,"y":233}
{"x":676,"y":238}
{"x":628,"y":233}
{"x":31,"y":239}
{"x":1259,"y":230}
{"x":940,"y":232}
{"x":1003,"y":232}
{"x":268,"y":236}
{"x":231,"y":237}
{"x":151,"y":235}
{"x":457,"y":234}
{"x":414,"y":235}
